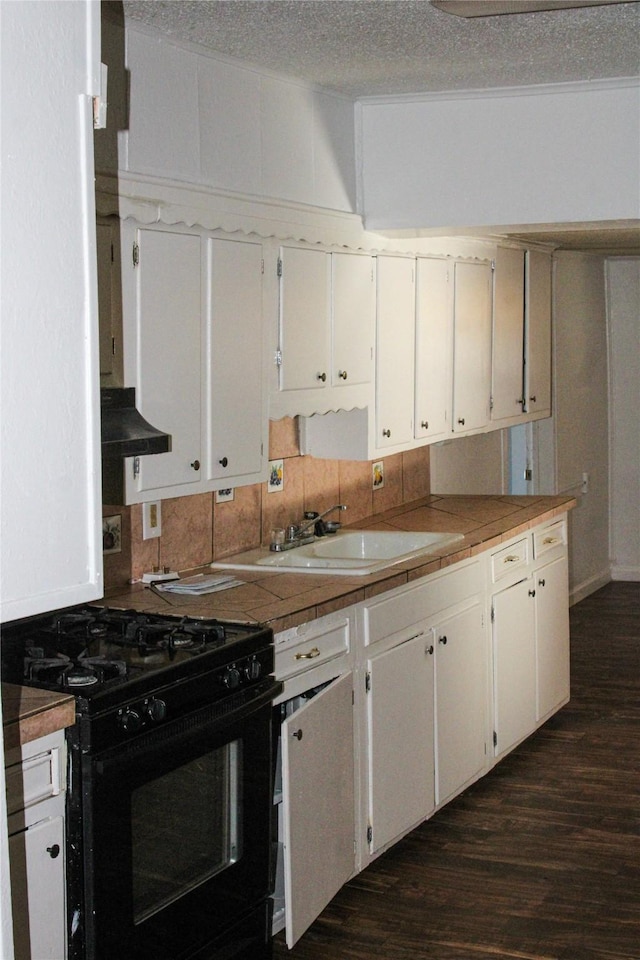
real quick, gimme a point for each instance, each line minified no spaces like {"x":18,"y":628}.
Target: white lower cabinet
{"x":35,"y":776}
{"x":552,"y":636}
{"x":461,"y":699}
{"x":390,"y":707}
{"x":530,"y":631}
{"x":399,"y":724}
{"x":514,"y":665}
{"x":315,"y":780}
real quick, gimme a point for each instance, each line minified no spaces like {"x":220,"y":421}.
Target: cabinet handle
{"x":429,"y":650}
{"x":196,"y":464}
{"x":313,"y":653}
{"x":442,"y":640}
{"x":322,"y":376}
{"x":461,"y":421}
{"x":424,"y":424}
{"x":512,"y":558}
{"x":342,"y":374}
{"x":533,"y":399}
{"x":53,"y":851}
{"x":549,"y":540}
{"x":520,"y":401}
{"x":541,"y":583}
{"x":532,"y":593}
{"x":224,"y":462}
{"x":386,"y":433}
{"x":297,"y":734}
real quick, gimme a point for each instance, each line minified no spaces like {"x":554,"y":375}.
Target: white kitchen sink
{"x":346,"y":553}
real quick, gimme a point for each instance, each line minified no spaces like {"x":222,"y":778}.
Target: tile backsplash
{"x":197,"y":529}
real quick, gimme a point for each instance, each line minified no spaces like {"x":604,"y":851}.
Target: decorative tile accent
{"x":377,"y":472}
{"x":275,"y":484}
{"x":390,"y":494}
{"x":289,"y":506}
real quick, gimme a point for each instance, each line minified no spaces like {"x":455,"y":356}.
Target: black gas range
{"x":169,"y":798}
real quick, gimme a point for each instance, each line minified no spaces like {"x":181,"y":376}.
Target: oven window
{"x":186,"y":828}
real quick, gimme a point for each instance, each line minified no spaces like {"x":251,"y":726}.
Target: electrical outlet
{"x":151,"y":520}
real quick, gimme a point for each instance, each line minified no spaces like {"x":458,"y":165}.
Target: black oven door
{"x":177,"y":838}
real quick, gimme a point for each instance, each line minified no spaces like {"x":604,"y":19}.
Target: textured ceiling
{"x":404,"y":46}
{"x":379,"y":47}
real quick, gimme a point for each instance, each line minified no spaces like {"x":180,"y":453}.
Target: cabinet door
{"x":552,"y":636}
{"x":514,"y":665}
{"x":353,"y":306}
{"x":471,"y":346}
{"x":395,"y":350}
{"x":508,"y":335}
{"x":400,"y":738}
{"x":461,"y":685}
{"x":538,"y":332}
{"x":434,"y":321}
{"x":236,"y":418}
{"x":304,"y":318}
{"x":168,"y":354}
{"x":38,"y":890}
{"x":318,"y":798}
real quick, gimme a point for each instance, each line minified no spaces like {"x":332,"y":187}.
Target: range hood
{"x":125,"y":433}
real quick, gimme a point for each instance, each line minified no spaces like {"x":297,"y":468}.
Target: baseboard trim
{"x":625,"y":573}
{"x":587,"y":587}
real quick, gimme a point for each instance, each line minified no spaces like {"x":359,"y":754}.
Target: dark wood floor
{"x":540,"y":860}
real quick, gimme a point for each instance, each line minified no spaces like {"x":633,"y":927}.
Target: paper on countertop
{"x":199,"y":584}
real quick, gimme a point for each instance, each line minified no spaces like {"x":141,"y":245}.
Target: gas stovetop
{"x":89,"y":651}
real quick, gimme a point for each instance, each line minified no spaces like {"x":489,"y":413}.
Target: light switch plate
{"x":151,"y":520}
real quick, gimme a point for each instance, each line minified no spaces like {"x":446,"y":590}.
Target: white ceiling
{"x":362,"y":48}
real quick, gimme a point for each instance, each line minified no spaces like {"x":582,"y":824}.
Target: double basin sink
{"x":346,"y":553}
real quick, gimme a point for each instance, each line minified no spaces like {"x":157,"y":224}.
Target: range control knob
{"x":231,"y":678}
{"x":130,"y":721}
{"x":253,"y":669}
{"x":156,"y":710}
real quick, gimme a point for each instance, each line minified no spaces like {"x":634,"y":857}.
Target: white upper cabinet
{"x":508,"y":336}
{"x":538,"y":333}
{"x":326,"y":330}
{"x":395,"y":351}
{"x":473,"y":297}
{"x":353,"y":307}
{"x":235,"y":407}
{"x":194,"y":352}
{"x":162,"y":356}
{"x":304,"y":318}
{"x":434,"y":329}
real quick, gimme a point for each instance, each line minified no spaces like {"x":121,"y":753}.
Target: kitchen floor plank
{"x":540,"y":860}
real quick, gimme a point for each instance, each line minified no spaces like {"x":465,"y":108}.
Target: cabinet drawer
{"x":310,"y":646}
{"x":549,"y":538}
{"x":438,"y":592}
{"x":34,"y":779}
{"x":512,"y":558}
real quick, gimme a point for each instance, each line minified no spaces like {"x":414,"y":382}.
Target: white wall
{"x":470,"y":465}
{"x":200,"y":119}
{"x":580,"y":420}
{"x":536,"y":155}
{"x":623,"y":311}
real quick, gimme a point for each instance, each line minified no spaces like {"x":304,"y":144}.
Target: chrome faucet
{"x":296,"y":534}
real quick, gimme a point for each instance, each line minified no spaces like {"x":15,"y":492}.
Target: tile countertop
{"x":283,"y":599}
{"x":29,"y":713}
